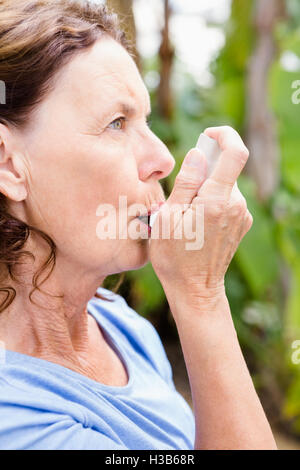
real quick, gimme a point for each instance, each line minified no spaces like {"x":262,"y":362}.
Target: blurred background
{"x":236,"y":62}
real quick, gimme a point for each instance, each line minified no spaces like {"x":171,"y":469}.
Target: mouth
{"x":145,"y":218}
{"x":148,"y":217}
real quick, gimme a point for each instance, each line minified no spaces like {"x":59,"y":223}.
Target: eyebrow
{"x":130,"y":110}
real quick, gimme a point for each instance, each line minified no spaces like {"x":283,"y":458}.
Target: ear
{"x":12,"y":176}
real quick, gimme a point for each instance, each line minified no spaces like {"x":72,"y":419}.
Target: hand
{"x":226,"y":218}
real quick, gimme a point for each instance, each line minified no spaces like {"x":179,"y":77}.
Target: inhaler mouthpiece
{"x":153,"y":218}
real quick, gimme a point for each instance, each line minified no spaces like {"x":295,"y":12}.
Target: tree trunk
{"x":124,"y":10}
{"x":166,"y":56}
{"x":261,"y":135}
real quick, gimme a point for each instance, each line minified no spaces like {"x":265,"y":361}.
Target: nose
{"x":154,"y":159}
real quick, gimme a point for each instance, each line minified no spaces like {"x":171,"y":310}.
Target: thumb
{"x":189,"y":179}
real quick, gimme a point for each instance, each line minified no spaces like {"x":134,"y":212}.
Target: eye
{"x":118,"y":124}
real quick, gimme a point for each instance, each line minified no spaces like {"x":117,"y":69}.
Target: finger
{"x":189,"y":179}
{"x":207,"y":194}
{"x":232,"y":159}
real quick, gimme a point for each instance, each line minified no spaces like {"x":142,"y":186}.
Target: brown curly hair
{"x":37,"y":38}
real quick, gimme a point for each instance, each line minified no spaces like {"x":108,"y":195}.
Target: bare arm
{"x":228,"y":412}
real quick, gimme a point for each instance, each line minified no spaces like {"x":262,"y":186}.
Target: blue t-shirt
{"x":47,"y":406}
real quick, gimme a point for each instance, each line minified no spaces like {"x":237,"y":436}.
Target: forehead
{"x":102,"y":75}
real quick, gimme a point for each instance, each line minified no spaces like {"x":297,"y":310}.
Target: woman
{"x":83,"y":370}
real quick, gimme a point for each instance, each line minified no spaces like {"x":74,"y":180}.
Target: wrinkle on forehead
{"x":105,"y":72}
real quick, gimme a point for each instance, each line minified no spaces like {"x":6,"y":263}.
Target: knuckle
{"x":182,"y":182}
{"x":238,"y":208}
{"x":216,"y":211}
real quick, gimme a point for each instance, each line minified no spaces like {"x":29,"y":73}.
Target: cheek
{"x":66,"y":209}
{"x":69,"y":189}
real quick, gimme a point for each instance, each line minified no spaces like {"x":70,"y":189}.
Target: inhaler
{"x":210,"y":148}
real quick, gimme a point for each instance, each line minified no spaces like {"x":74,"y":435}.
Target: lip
{"x":145,"y":219}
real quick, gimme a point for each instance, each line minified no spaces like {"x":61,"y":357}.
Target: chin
{"x":138,"y":256}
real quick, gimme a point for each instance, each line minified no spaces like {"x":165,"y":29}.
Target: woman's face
{"x":89,"y":144}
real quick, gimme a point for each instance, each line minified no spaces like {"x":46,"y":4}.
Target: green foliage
{"x":231,"y":65}
{"x":149,"y":294}
{"x":257,"y":255}
{"x":287,"y":114}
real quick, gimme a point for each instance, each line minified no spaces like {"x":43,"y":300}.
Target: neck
{"x":51,"y":327}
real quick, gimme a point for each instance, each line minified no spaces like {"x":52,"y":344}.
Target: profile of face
{"x":87,"y":145}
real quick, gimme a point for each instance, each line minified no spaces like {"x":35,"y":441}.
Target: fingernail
{"x":194,"y":158}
